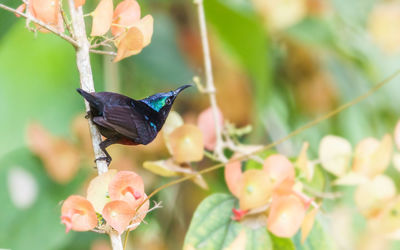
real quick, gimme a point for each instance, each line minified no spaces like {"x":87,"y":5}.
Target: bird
{"x":123,"y":120}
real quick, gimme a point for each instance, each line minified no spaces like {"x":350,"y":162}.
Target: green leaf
{"x":213,"y":228}
{"x":258,"y":239}
{"x":317,"y":239}
{"x":282,"y":243}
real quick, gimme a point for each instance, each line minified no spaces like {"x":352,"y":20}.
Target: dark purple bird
{"x":123,"y":120}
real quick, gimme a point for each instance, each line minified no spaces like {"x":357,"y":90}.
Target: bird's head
{"x":162,"y":102}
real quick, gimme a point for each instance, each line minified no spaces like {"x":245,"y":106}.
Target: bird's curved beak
{"x":178,"y":90}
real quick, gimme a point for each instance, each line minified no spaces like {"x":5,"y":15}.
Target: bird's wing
{"x":128,"y":122}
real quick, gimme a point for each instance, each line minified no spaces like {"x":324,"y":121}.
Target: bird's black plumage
{"x":124,"y":120}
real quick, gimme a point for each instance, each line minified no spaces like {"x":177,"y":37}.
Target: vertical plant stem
{"x":116,"y":241}
{"x":86,"y":77}
{"x":210,"y":87}
{"x":87,"y":84}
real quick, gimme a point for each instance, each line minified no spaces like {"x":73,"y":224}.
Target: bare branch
{"x":86,"y":82}
{"x":66,"y":21}
{"x":86,"y":77}
{"x":103,"y":52}
{"x":105,"y":41}
{"x":42,"y":24}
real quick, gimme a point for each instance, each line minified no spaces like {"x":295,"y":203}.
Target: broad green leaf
{"x":213,"y":228}
{"x":259,"y":239}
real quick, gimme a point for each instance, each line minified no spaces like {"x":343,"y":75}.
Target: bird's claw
{"x":88,"y":115}
{"x":107,"y":159}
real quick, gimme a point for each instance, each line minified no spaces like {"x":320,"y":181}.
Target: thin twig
{"x":98,"y":231}
{"x":157,"y":205}
{"x":67,"y":22}
{"x":105,"y":41}
{"x":42,"y":24}
{"x":273,"y":144}
{"x":103,"y":52}
{"x":323,"y":195}
{"x":210,"y":87}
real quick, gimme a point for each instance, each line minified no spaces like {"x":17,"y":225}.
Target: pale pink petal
{"x":97,"y":192}
{"x":187,"y":144}
{"x":286,"y":215}
{"x":118,"y":214}
{"x":255,"y":189}
{"x":233,"y":177}
{"x":102,"y":18}
{"x":280,"y":170}
{"x":127,"y":186}
{"x":126,"y":14}
{"x":78,"y":214}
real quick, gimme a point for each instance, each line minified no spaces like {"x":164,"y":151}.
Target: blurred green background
{"x":274,"y":68}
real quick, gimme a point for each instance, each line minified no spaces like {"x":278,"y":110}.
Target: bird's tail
{"x":94,"y":103}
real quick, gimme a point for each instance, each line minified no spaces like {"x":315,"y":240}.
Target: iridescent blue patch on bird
{"x":153,"y":125}
{"x":157,"y":101}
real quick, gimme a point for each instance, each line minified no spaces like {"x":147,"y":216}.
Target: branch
{"x":42,"y":24}
{"x":86,"y":77}
{"x":210,"y":87}
{"x":86,"y":82}
{"x":103,"y":52}
{"x":105,"y":41}
{"x":116,"y":241}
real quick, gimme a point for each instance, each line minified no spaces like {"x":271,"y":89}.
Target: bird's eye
{"x":168,"y":101}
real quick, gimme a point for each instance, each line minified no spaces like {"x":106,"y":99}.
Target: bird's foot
{"x":107,"y":159}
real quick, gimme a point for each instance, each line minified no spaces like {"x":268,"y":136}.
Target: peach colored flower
{"x":233,"y":177}
{"x":47,"y":11}
{"x":280,"y":171}
{"x":126,"y":14}
{"x":118,"y":214}
{"x":79,"y":3}
{"x":127,"y":186}
{"x":102,"y":18}
{"x":133,"y":33}
{"x":187,"y":144}
{"x":78,"y":214}
{"x":286,"y":215}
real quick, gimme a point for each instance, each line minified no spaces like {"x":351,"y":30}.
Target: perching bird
{"x":123,"y":120}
